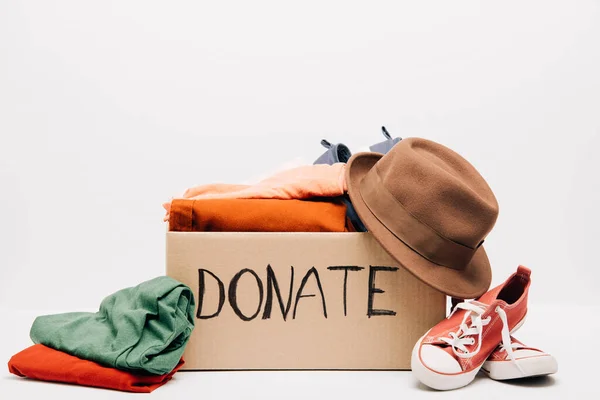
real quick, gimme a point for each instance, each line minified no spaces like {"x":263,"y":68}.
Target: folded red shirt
{"x":46,"y":364}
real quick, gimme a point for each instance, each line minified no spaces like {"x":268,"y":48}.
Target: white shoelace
{"x":514,"y":346}
{"x":463,"y":337}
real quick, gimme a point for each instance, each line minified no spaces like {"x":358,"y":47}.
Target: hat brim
{"x":468,"y":283}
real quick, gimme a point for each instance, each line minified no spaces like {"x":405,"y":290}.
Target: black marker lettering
{"x":372,"y":290}
{"x":202,"y":290}
{"x":345,"y":268}
{"x":312,"y":271}
{"x":233,"y":294}
{"x":273,"y":285}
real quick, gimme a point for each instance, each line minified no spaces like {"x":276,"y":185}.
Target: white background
{"x":109,"y":108}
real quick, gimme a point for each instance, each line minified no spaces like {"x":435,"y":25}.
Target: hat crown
{"x":439,"y":188}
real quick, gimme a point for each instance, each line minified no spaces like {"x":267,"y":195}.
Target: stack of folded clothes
{"x":308,"y":198}
{"x":134,"y":343}
{"x":302,"y":199}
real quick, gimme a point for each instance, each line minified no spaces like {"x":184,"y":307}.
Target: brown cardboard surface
{"x":317,"y":333}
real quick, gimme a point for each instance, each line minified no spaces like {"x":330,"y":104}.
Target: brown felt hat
{"x":430,"y":209}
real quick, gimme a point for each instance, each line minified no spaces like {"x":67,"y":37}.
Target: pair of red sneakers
{"x":477,"y":335}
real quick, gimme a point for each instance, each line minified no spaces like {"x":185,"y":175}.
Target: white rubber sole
{"x":439,"y":381}
{"x":541,"y":365}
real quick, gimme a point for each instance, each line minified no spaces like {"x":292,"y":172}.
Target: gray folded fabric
{"x":335,"y":153}
{"x":386,"y":145}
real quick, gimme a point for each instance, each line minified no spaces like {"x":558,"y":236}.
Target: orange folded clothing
{"x":46,"y":364}
{"x":304,"y":182}
{"x":257,"y":215}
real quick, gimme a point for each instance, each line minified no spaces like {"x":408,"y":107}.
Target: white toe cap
{"x":438,"y":360}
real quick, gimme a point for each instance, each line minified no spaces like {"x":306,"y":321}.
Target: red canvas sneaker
{"x":451,"y":353}
{"x":518,"y":361}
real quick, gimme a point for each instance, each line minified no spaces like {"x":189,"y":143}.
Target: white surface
{"x":573,"y":379}
{"x":107,"y":109}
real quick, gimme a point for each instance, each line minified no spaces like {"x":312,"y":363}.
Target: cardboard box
{"x":350,"y":307}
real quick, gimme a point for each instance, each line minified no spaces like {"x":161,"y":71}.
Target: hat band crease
{"x":421,"y":238}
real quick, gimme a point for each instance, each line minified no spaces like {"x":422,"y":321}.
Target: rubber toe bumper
{"x":437,"y":369}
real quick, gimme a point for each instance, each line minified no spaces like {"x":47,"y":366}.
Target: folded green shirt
{"x":140,"y":329}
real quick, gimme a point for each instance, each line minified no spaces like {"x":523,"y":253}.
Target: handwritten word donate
{"x":272,"y":288}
